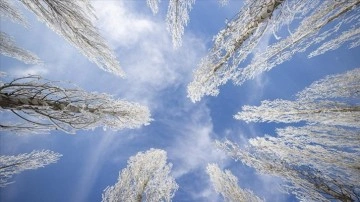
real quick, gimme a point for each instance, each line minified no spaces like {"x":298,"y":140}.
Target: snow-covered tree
{"x":319,"y":160}
{"x":243,"y":33}
{"x":319,"y":103}
{"x":177,"y":17}
{"x":347,"y":36}
{"x":146,"y":178}
{"x":8,"y":10}
{"x":301,"y":178}
{"x":11,"y":165}
{"x":73,"y":20}
{"x":42,"y":105}
{"x":153,"y":5}
{"x":226,"y":184}
{"x":231,"y":46}
{"x":7,"y":44}
{"x":339,"y":13}
{"x":332,"y":150}
{"x":324,"y":112}
{"x":339,"y":86}
{"x":10,"y":49}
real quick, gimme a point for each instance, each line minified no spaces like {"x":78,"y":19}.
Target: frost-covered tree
{"x":345,"y":37}
{"x":233,"y":45}
{"x":146,"y":178}
{"x":42,"y":105}
{"x":301,"y":178}
{"x":10,"y":49}
{"x":8,"y":10}
{"x":7,"y":44}
{"x":11,"y":165}
{"x":339,"y":86}
{"x":154,"y":5}
{"x":177,"y":17}
{"x":73,"y":20}
{"x":324,"y":112}
{"x":310,"y":32}
{"x":319,"y":160}
{"x":319,"y":103}
{"x":226,"y":184}
{"x":332,"y":150}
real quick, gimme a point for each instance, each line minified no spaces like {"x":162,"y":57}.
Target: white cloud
{"x":269,"y":188}
{"x":93,"y":165}
{"x":193,"y":149}
{"x":145,"y":52}
{"x":121,"y":26}
{"x":21,"y":71}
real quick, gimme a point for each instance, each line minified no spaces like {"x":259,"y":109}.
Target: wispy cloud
{"x":92,"y":167}
{"x":21,"y":71}
{"x":120,"y":24}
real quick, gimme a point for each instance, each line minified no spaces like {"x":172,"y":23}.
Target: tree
{"x":146,"y":178}
{"x":9,"y":11}
{"x":301,"y":178}
{"x":11,"y":165}
{"x":319,"y":161}
{"x":153,"y":5}
{"x":242,"y":34}
{"x":227,"y":53}
{"x":176,"y":19}
{"x":41,"y":106}
{"x":226,"y":184}
{"x":10,"y":49}
{"x":73,"y":21}
{"x":332,"y":150}
{"x":324,"y":112}
{"x":306,"y":35}
{"x":339,"y":86}
{"x":7,"y":44}
{"x":347,"y":36}
{"x":312,"y":105}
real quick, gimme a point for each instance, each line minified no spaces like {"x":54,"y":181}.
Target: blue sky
{"x":157,"y":76}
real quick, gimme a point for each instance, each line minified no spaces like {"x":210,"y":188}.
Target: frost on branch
{"x":319,"y":160}
{"x":345,"y":85}
{"x":284,"y":111}
{"x":314,"y":104}
{"x":8,"y":10}
{"x":312,"y":180}
{"x":177,"y":18}
{"x":73,"y":21}
{"x":323,"y":147}
{"x":146,"y":178}
{"x":347,"y":36}
{"x":223,"y":2}
{"x":11,"y":165}
{"x":154,"y":5}
{"x":307,"y":34}
{"x":231,"y":46}
{"x":241,"y":36}
{"x":226,"y":184}
{"x":42,"y":105}
{"x":10,"y":49}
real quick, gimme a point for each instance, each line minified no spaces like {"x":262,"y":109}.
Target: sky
{"x":156,"y":76}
